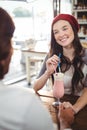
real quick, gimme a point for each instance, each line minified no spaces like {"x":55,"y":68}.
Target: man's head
{"x":7,"y":28}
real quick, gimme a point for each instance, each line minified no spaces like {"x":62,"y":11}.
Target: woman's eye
{"x":55,"y":32}
{"x":65,"y":28}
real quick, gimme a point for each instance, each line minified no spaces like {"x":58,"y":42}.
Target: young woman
{"x":65,"y":40}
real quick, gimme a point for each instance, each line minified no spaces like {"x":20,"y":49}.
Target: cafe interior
{"x":31,"y":39}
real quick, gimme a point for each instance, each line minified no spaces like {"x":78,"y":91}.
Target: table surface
{"x":47,"y":98}
{"x":33,"y":51}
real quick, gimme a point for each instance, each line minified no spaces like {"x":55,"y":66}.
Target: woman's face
{"x":63,"y":33}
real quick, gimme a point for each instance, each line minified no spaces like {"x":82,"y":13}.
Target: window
{"x":32,"y":19}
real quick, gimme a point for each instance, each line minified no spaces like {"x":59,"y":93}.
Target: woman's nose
{"x":61,"y":33}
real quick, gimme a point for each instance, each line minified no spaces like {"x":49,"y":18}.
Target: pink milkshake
{"x":58,"y":87}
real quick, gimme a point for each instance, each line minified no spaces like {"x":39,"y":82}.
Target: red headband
{"x":70,"y":18}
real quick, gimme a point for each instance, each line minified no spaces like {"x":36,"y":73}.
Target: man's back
{"x":20,"y":109}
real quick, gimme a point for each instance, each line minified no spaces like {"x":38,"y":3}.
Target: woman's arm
{"x":40,"y":82}
{"x":81,"y":102}
{"x":51,"y":65}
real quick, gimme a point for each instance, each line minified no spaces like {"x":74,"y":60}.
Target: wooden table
{"x":47,"y":99}
{"x":32,"y":56}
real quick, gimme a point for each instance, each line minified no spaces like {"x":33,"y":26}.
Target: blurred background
{"x":32,"y":20}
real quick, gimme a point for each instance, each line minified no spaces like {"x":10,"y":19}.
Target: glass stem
{"x":58,"y":100}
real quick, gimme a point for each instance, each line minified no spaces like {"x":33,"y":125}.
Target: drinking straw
{"x":59,"y":62}
{"x":54,"y":68}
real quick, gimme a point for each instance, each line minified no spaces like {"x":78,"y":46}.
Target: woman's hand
{"x":67,"y":104}
{"x":52,"y":63}
{"x":66,"y":117}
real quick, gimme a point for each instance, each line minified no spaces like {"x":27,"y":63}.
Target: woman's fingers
{"x":67,"y":104}
{"x":52,"y":63}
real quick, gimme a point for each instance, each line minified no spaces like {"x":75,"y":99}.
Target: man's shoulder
{"x":19,"y":92}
